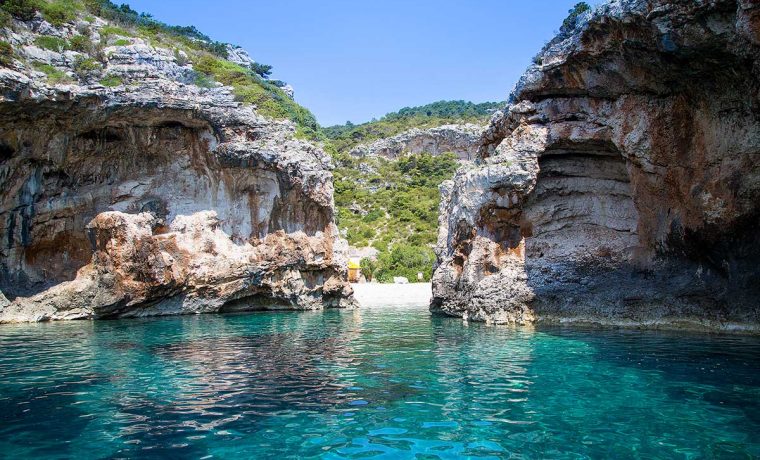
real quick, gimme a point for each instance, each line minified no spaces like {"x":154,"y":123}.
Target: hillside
{"x":346,"y":136}
{"x":392,"y":204}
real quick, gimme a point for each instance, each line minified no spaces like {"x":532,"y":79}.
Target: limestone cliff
{"x":459,"y":139}
{"x":128,"y":190}
{"x":621,"y":185}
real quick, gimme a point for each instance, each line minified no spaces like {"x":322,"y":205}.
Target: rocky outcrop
{"x":461,"y":140}
{"x":622,"y":183}
{"x":154,"y":196}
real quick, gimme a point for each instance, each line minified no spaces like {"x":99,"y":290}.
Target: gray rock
{"x":462,"y":140}
{"x":155,"y":196}
{"x":617,"y":188}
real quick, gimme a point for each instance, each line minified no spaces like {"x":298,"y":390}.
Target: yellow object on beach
{"x":353,"y":264}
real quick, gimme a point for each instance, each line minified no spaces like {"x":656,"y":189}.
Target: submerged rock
{"x":153,"y":196}
{"x":622,"y":183}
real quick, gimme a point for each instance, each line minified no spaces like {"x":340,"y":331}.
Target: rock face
{"x":622,"y":183}
{"x":462,"y":140}
{"x":155,"y":196}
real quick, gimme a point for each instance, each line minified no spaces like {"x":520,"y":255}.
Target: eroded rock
{"x":155,"y":196}
{"x":622,"y":184}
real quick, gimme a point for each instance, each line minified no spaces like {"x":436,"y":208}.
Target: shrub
{"x":5,"y":18}
{"x":109,"y":30}
{"x":405,"y":260}
{"x":203,"y":81}
{"x":111,"y":81}
{"x":261,"y":70}
{"x":573,"y":14}
{"x":21,"y":9}
{"x":81,"y":43}
{"x":6,"y":53}
{"x":58,"y":12}
{"x":86,"y":67}
{"x":180,"y":58}
{"x":369,"y":268}
{"x":52,"y":43}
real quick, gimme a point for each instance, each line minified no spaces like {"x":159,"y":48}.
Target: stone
{"x":155,"y":196}
{"x":622,"y":183}
{"x":461,"y":140}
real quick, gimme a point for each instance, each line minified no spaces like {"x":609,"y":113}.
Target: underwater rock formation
{"x":621,"y":185}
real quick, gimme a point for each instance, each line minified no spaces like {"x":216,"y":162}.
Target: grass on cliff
{"x":207,"y":56}
{"x":269,"y":99}
{"x":345,"y":137}
{"x":392,"y":205}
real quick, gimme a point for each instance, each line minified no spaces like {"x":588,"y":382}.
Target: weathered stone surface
{"x":462,"y":140}
{"x":622,"y":184}
{"x":155,"y":196}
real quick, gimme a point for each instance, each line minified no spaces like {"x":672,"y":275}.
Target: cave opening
{"x":582,"y":204}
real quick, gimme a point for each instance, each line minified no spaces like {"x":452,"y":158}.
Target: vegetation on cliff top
{"x":345,"y":137}
{"x":209,"y":57}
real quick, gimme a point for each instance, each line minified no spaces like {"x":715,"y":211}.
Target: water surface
{"x":374,"y":383}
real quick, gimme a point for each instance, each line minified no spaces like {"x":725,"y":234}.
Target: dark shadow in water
{"x":723,"y":361}
{"x":47,"y":413}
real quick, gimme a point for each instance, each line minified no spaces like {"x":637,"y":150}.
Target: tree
{"x":261,"y":70}
{"x":576,"y":11}
{"x":368,"y":268}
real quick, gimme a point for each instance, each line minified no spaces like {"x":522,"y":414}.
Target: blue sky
{"x":355,"y":60}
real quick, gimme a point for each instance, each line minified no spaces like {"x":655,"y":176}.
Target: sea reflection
{"x":379,"y":383}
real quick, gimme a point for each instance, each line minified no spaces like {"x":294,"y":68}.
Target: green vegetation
{"x":86,"y":67}
{"x":52,"y":43}
{"x":261,"y":70}
{"x":20,"y":9}
{"x":122,"y":42}
{"x":392,"y":205}
{"x":53,"y":75}
{"x":111,"y":81}
{"x":58,"y":12}
{"x":250,"y":87}
{"x":6,"y":53}
{"x":405,"y":260}
{"x":573,"y":14}
{"x":81,"y":43}
{"x":108,"y":31}
{"x":345,"y":137}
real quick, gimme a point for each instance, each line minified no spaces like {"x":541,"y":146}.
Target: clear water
{"x":378,"y":383}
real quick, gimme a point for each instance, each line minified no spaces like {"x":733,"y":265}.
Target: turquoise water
{"x":378,"y":383}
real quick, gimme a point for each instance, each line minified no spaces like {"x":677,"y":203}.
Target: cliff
{"x":459,"y":139}
{"x":134,"y":185}
{"x":622,"y":183}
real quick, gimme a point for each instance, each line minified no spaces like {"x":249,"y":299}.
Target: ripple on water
{"x":378,"y":383}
